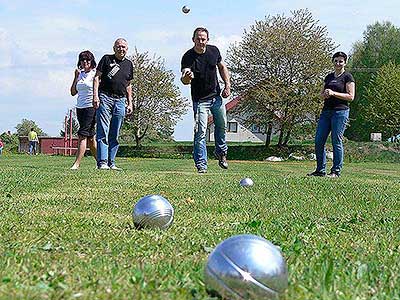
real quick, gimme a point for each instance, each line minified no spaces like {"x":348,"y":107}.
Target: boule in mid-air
{"x":185,"y":9}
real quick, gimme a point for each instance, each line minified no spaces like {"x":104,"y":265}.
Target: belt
{"x":112,"y":95}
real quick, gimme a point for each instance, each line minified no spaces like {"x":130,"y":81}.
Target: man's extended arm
{"x":223,"y":71}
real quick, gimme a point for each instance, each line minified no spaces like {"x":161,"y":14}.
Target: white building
{"x":236,"y":132}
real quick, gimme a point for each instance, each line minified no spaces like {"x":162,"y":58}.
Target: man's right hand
{"x":96,"y":102}
{"x":187,"y":76}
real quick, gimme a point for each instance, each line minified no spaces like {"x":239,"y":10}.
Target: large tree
{"x":380,"y":45}
{"x":383,"y":98}
{"x":278,"y":70}
{"x":25,"y":126}
{"x":157,"y":103}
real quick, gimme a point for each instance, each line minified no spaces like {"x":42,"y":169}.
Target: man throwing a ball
{"x":199,"y":69}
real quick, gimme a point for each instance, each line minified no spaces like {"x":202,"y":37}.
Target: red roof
{"x":229,"y":106}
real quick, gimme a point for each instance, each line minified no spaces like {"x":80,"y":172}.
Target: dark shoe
{"x":201,"y":171}
{"x":333,"y":174}
{"x":317,"y":173}
{"x":222,"y":162}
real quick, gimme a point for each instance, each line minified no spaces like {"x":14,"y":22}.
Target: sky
{"x":41,"y":39}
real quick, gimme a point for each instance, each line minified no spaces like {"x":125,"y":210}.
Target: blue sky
{"x":40,"y":40}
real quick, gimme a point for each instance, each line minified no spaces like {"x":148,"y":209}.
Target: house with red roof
{"x":236,"y":131}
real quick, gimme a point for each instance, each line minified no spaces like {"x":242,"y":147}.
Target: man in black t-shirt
{"x":111,"y":93}
{"x":199,"y":69}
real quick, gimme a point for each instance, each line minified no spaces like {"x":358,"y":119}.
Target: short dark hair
{"x":340,"y":53}
{"x":86,"y":55}
{"x":201,"y":29}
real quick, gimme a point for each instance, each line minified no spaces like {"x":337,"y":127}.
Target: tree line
{"x":277,"y":71}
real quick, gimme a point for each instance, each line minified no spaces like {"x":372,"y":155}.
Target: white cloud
{"x":223,"y":42}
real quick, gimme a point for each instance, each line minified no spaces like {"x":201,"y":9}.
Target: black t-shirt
{"x":205,"y":84}
{"x":115,"y":75}
{"x":337,"y":84}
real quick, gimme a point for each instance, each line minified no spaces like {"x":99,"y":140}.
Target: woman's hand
{"x":329,"y":93}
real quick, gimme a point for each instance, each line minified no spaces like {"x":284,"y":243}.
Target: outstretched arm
{"x":223,"y":71}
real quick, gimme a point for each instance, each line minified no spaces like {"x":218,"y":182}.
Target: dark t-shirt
{"x":337,"y":84}
{"x":205,"y":84}
{"x":115,"y":75}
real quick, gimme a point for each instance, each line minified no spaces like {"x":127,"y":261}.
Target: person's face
{"x":339,"y":62}
{"x":86,"y":64}
{"x":200,"y":41}
{"x":120,"y":49}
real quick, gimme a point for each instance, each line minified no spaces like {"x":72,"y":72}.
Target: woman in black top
{"x":338,"y":91}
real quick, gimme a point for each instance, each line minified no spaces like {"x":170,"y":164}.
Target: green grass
{"x":69,"y":235}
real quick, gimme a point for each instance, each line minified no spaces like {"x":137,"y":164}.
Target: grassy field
{"x":69,"y":234}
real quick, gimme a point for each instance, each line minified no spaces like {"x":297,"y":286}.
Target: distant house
{"x":50,"y":145}
{"x":236,"y":131}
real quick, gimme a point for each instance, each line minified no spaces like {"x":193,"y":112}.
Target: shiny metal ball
{"x":185,"y":9}
{"x":246,"y":267}
{"x":153,"y":211}
{"x":246,"y":182}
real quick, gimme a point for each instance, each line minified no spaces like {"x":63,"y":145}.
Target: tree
{"x":25,"y":126}
{"x":10,"y":141}
{"x":157,"y":104}
{"x":380,"y":45}
{"x":383,"y":98}
{"x":278,"y":70}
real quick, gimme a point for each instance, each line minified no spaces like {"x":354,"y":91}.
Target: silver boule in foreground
{"x":246,"y":267}
{"x":185,"y":9}
{"x":245,"y":182}
{"x":153,"y":211}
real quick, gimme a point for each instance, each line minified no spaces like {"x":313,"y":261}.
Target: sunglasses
{"x":84,"y":59}
{"x":338,"y":61}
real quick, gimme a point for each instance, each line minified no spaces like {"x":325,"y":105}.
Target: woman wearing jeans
{"x":338,"y":91}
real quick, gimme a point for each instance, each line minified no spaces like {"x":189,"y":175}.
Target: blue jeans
{"x":109,"y":117}
{"x":1,"y":150}
{"x":334,"y":122}
{"x":32,"y":147}
{"x":201,"y":109}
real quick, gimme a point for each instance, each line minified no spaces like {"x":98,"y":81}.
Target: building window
{"x":255,"y":128}
{"x":232,"y":126}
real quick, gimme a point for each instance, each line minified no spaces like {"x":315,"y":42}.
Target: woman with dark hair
{"x":338,"y":91}
{"x":86,"y":114}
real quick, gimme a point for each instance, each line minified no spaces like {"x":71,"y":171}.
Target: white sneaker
{"x":74,"y":167}
{"x":103,"y":167}
{"x":115,"y":168}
